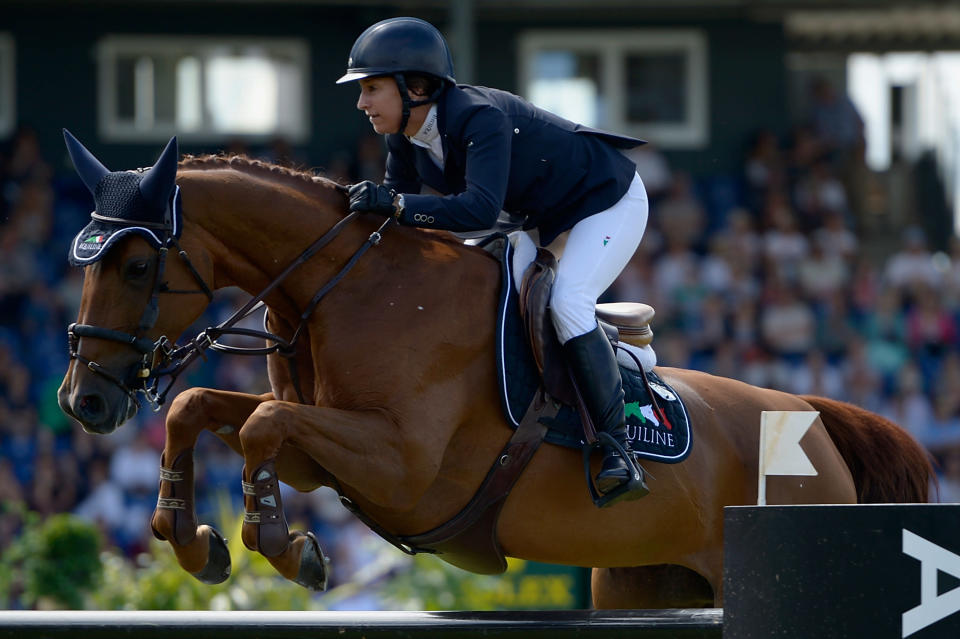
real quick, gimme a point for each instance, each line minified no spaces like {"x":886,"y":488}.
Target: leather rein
{"x":162,"y":359}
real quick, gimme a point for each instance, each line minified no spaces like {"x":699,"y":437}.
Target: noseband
{"x":162,"y":359}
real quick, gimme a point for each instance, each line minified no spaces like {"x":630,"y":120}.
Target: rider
{"x":488,"y":150}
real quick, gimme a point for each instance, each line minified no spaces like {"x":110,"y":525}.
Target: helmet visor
{"x":353,"y":75}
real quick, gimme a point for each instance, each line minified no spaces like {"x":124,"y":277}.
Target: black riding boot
{"x":598,"y":378}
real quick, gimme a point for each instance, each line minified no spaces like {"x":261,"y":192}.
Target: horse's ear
{"x":158,"y":182}
{"x":87,"y":166}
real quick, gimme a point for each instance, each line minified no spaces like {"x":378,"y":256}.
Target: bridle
{"x":162,"y":359}
{"x":153,"y":352}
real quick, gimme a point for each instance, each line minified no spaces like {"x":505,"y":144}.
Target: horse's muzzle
{"x":100,"y":410}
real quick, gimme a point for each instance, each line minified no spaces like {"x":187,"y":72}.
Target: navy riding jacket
{"x":502,"y":153}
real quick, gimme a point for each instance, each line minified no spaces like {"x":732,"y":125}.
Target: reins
{"x":162,"y":359}
{"x":208,"y":338}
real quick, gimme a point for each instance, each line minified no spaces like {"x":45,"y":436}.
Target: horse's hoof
{"x":218,"y":560}
{"x":313,"y":565}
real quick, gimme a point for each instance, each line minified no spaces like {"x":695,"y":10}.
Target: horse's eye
{"x":137,"y":270}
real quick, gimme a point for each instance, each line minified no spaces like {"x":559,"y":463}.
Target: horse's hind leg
{"x":659,"y":586}
{"x":200,"y":550}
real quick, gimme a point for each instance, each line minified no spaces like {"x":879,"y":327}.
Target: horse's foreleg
{"x":365,"y":451}
{"x":200,"y":550}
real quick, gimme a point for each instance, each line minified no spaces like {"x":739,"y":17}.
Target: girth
{"x":469,"y":539}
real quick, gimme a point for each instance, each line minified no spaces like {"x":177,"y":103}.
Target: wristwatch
{"x":398,"y":206}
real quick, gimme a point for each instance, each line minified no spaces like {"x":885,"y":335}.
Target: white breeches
{"x":591,"y":256}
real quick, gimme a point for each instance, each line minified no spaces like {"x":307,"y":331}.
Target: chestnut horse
{"x":401,"y":411}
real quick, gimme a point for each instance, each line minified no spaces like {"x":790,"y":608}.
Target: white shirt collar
{"x":429,"y":136}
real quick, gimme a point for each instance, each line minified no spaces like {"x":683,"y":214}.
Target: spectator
{"x":861,"y":382}
{"x":134,"y":465}
{"x":931,"y":331}
{"x":814,"y":376}
{"x":885,"y":331}
{"x":913,"y":265}
{"x":836,"y":123}
{"x":821,"y":274}
{"x":653,"y":169}
{"x":680,"y":215}
{"x":909,"y":406}
{"x":787,"y":324}
{"x":764,"y":169}
{"x":819,"y":194}
{"x":104,"y":503}
{"x":834,"y":238}
{"x":784,"y":245}
{"x":741,"y":240}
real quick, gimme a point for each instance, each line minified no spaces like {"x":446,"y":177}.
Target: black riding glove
{"x":369,"y":197}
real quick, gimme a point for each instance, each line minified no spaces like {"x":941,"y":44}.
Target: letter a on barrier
{"x":933,"y":607}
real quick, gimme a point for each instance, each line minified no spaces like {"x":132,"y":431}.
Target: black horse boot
{"x":598,"y":378}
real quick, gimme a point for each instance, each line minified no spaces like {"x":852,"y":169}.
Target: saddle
{"x":558,"y":379}
{"x":621,"y":321}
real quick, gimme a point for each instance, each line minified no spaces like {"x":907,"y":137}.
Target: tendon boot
{"x":597,"y":375}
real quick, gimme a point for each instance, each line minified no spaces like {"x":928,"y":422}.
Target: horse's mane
{"x":306,"y":180}
{"x":301,"y":178}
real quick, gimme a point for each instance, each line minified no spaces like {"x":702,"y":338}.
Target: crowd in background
{"x":764,"y":276}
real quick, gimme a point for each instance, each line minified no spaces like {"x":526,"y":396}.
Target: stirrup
{"x":634,"y":488}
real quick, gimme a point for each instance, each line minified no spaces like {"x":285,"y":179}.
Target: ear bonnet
{"x":145,"y":202}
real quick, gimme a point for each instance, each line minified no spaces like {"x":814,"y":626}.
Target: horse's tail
{"x":887,"y":463}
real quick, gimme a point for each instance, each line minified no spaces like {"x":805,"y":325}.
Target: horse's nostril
{"x":91,"y":405}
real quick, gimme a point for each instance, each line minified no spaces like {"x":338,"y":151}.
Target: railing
{"x":645,"y":624}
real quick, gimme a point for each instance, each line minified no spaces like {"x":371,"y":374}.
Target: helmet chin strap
{"x":409,"y":104}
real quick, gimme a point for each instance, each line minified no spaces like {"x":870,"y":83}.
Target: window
{"x":8,"y":85}
{"x":647,"y":83}
{"x":203,"y":89}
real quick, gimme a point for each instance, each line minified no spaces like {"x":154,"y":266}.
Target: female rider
{"x":488,"y":150}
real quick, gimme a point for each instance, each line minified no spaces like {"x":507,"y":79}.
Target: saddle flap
{"x":534,"y":300}
{"x":534,"y":309}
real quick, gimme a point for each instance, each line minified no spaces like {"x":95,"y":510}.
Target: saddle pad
{"x":518,"y":378}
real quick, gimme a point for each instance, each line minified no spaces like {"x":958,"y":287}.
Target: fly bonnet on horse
{"x":145,"y":202}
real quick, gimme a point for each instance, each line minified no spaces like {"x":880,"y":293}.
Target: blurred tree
{"x":58,"y":563}
{"x":54,"y":563}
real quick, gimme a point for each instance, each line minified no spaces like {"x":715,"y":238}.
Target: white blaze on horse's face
{"x":380,"y":101}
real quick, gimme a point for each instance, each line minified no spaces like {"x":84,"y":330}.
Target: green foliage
{"x":57,"y":562}
{"x":157,"y":582}
{"x":431,"y":584}
{"x":54,"y":561}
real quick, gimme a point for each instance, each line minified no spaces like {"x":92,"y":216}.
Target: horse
{"x":386,"y":391}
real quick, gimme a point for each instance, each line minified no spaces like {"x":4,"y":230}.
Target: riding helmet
{"x":399,"y":45}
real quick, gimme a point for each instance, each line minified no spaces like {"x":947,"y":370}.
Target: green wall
{"x":56,"y":68}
